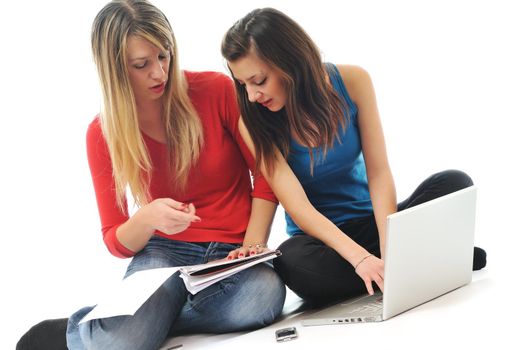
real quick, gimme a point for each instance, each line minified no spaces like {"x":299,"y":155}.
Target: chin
{"x":276,"y":108}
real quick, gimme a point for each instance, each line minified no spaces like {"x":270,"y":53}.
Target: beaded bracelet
{"x":256,"y":245}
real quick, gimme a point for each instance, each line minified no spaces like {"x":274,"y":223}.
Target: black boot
{"x":480,"y":259}
{"x":46,"y":335}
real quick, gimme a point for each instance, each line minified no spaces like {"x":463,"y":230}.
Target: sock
{"x":480,"y":259}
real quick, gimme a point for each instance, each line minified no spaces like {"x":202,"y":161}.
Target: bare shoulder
{"x":356,"y":79}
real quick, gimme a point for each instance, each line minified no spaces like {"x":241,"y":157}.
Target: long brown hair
{"x":131,"y":164}
{"x":313,"y":110}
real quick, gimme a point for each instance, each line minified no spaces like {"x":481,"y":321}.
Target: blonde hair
{"x":132,"y":166}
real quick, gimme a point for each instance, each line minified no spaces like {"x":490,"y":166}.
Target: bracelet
{"x":256,"y":245}
{"x":360,"y":262}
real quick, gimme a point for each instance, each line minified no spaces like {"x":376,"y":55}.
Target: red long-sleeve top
{"x":219,"y":185}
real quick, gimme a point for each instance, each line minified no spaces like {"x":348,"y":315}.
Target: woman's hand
{"x":247,"y":250}
{"x":169,"y":216}
{"x":371,"y":269}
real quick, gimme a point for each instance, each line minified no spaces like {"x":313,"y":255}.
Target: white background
{"x":451,"y":82}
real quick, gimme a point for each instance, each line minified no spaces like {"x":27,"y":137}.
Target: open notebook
{"x":127,"y":296}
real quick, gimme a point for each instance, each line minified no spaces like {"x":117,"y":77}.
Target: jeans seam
{"x":223,"y":289}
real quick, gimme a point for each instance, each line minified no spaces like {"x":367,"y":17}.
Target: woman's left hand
{"x":247,"y":250}
{"x":371,"y":269}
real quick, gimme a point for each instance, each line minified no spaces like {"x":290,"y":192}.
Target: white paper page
{"x":224,"y":261}
{"x":126,"y":297}
{"x":194,"y":284}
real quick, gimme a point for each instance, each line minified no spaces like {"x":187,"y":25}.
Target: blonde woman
{"x":172,"y":138}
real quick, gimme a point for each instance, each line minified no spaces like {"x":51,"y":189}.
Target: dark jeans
{"x":318,"y":273}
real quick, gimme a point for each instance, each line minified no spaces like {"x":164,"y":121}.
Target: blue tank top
{"x":338,"y":188}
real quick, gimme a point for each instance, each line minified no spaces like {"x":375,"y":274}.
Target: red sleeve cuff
{"x":114,"y":246}
{"x":261,"y":189}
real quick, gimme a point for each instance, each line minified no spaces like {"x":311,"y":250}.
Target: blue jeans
{"x":250,"y":299}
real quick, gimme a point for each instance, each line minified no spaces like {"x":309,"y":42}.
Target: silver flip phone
{"x":286,"y":334}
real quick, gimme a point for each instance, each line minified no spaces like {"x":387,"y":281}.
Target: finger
{"x":182,"y":207}
{"x":253,"y":250}
{"x":232,"y":255}
{"x":380,"y":282}
{"x":243,"y":252}
{"x":185,"y":208}
{"x":181,"y":217}
{"x":191,"y":209}
{"x":174,"y":204}
{"x":369,"y":287}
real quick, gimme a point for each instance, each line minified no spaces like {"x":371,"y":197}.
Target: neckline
{"x":151,"y":139}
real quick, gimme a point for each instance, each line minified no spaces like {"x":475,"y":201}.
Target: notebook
{"x":429,"y":252}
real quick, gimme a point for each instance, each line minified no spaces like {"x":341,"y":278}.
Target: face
{"x":147,"y":69}
{"x":262,"y":83}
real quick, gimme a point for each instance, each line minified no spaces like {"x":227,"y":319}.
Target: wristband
{"x":360,"y":262}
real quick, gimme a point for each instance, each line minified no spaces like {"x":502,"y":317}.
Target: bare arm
{"x":291,"y":195}
{"x":380,"y":179}
{"x":258,"y":229}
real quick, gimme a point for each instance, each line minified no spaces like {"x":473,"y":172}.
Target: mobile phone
{"x":286,"y":334}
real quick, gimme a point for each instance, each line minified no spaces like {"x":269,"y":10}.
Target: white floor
{"x":470,"y":317}
{"x":486,"y":314}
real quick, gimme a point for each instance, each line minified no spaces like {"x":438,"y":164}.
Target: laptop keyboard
{"x":372,"y":307}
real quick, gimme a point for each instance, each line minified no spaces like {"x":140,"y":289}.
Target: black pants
{"x":318,"y":273}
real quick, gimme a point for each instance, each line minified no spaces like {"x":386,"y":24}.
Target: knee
{"x":293,"y":250}
{"x":147,"y":260}
{"x":261,"y":298}
{"x":457,"y":179}
{"x":270,"y":293}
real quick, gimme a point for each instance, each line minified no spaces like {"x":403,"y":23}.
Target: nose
{"x":158,"y":70}
{"x":253,"y":94}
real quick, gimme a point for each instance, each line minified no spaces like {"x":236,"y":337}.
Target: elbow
{"x":301,"y":213}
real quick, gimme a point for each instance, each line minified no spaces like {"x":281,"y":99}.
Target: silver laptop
{"x":429,"y":252}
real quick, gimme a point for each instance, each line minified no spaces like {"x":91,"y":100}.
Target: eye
{"x":162,"y":57}
{"x":261,"y":82}
{"x":141,"y":66}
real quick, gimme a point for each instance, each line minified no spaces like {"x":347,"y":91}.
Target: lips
{"x":266,"y":103}
{"x":158,"y":88}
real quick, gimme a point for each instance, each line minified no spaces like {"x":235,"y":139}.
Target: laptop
{"x":429,"y":252}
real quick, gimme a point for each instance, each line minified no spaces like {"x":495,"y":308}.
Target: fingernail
{"x":252,"y":253}
{"x":241,"y":254}
{"x":229,"y":258}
